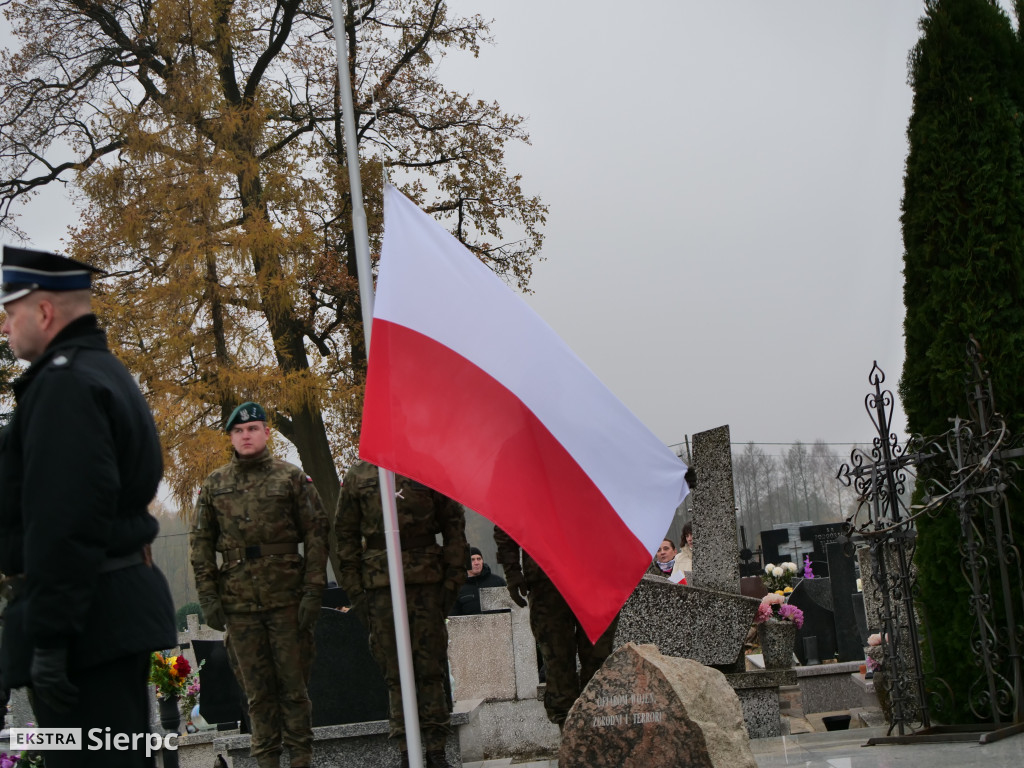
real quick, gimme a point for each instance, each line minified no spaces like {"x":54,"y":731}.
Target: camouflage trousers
{"x":561,"y":639}
{"x":429,"y":635}
{"x":273,"y":659}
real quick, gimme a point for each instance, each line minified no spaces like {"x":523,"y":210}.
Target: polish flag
{"x":470,"y":393}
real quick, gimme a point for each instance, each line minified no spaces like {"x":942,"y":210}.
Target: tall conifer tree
{"x":963,"y":235}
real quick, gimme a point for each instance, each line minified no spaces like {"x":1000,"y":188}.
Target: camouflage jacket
{"x":422,"y":513}
{"x":256,"y":501}
{"x":508,"y":555}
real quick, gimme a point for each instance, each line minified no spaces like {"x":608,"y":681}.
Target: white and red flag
{"x":471,"y":393}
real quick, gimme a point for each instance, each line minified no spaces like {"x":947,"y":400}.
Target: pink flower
{"x":792,"y":613}
{"x":773,"y":599}
{"x":764,"y":612}
{"x":875,"y":639}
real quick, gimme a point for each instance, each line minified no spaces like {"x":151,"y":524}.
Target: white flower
{"x":777,"y":572}
{"x":769,"y":568}
{"x":791,"y":567}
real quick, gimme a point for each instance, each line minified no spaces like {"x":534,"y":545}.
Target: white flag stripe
{"x":477,"y":316}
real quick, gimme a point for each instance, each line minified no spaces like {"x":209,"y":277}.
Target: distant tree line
{"x":795,"y":486}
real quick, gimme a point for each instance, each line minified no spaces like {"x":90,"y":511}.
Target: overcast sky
{"x":724,"y":182}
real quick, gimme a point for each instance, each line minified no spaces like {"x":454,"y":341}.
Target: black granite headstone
{"x":220,"y":696}
{"x":771,"y":541}
{"x":820,"y":536}
{"x":843,"y":579}
{"x":861,"y":616}
{"x":814,"y":598}
{"x":346,"y":685}
{"x":334,"y":597}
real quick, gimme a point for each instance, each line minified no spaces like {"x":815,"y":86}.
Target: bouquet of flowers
{"x":21,"y":760}
{"x":169,"y":674}
{"x":190,"y":697}
{"x":779,"y":577}
{"x":24,"y":759}
{"x":774,"y":607}
{"x":174,"y":678}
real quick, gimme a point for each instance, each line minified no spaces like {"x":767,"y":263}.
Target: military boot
{"x":437,"y":759}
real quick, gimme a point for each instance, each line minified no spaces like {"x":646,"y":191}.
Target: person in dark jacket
{"x":79,"y":464}
{"x":478,"y":576}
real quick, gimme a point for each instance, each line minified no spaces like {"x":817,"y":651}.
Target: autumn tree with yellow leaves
{"x":204,"y":140}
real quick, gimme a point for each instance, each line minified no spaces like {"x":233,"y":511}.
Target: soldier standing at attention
{"x":433,"y":575}
{"x":255,"y":512}
{"x":556,"y":629}
{"x":79,"y":464}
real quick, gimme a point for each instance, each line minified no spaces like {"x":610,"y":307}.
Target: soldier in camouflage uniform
{"x":558,"y":633}
{"x":255,"y":512}
{"x":433,"y":575}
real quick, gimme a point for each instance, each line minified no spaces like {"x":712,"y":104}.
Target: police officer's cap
{"x":243,"y":414}
{"x":25,"y":270}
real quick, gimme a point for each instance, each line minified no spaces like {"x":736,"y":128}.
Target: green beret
{"x":243,"y":414}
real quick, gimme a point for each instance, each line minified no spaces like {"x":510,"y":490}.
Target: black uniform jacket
{"x":79,"y":463}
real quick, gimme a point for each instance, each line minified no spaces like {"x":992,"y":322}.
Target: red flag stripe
{"x":432,"y":415}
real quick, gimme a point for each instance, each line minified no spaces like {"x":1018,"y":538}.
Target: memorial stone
{"x":346,"y":685}
{"x":814,"y":598}
{"x":771,"y":545}
{"x":843,"y":582}
{"x":220,"y":699}
{"x":335,"y":597}
{"x":819,"y":537}
{"x":699,"y":624}
{"x":646,"y":710}
{"x":716,"y":549}
{"x":861,"y":617}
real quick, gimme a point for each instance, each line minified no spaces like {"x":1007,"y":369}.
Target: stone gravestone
{"x":709,"y":621}
{"x":843,"y":581}
{"x":716,"y":550}
{"x":814,"y":598}
{"x":334,"y":597}
{"x":819,"y":537}
{"x":220,"y":698}
{"x":645,"y":710}
{"x":346,"y":685}
{"x":771,"y":545}
{"x":700,"y":624}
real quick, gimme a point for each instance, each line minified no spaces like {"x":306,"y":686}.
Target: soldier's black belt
{"x":260,"y":550}
{"x":378,"y":541}
{"x":125,"y":561}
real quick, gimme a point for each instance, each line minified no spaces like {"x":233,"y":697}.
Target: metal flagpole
{"x":387,"y":478}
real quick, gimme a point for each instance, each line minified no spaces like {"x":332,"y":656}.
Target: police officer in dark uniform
{"x":433,"y":575}
{"x":79,"y":465}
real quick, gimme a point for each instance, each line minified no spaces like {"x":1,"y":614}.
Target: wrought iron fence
{"x":968,"y":471}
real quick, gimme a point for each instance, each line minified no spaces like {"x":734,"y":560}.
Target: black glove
{"x":50,"y":679}
{"x":690,"y":477}
{"x":517,"y":588}
{"x":213,"y":612}
{"x":309,"y":610}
